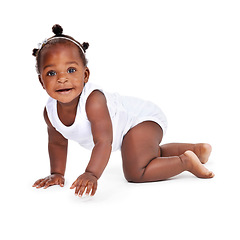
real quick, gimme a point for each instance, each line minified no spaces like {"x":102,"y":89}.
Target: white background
{"x":182,"y":55}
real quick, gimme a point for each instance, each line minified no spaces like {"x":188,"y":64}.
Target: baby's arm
{"x":101,"y":126}
{"x":57,"y":148}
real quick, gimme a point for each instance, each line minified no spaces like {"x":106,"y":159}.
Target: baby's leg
{"x":141,"y":161}
{"x":202,"y":150}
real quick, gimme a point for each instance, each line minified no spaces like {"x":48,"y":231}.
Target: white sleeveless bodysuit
{"x":125,"y":113}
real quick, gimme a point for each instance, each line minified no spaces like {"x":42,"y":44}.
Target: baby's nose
{"x":62,"y":77}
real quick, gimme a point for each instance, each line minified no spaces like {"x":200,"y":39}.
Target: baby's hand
{"x":86,"y":180}
{"x":53,"y":179}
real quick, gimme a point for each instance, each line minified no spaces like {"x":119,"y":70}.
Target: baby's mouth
{"x":64,"y":90}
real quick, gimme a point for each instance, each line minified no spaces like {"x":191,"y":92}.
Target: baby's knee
{"x":134,"y":176}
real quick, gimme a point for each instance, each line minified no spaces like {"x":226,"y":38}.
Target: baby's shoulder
{"x":45,"y":115}
{"x":95,"y":100}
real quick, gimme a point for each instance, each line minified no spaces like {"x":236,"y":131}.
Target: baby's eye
{"x":71,"y":70}
{"x":51,"y":73}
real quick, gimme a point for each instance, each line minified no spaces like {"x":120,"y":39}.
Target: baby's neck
{"x":67,"y":112}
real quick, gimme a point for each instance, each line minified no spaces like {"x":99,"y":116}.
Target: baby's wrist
{"x":57,"y":173}
{"x":91,"y":173}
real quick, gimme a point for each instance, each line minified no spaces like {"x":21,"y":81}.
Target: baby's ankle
{"x":185,"y":162}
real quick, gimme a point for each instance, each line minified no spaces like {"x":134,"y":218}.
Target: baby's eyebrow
{"x":50,"y":65}
{"x":67,"y":63}
{"x":73,"y":62}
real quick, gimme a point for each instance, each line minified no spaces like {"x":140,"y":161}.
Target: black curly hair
{"x":58,"y":30}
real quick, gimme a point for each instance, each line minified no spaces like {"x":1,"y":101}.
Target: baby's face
{"x":62,"y":72}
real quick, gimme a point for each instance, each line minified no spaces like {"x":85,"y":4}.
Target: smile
{"x":64,"y":90}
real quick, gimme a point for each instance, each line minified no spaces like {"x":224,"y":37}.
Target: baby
{"x":104,"y":122}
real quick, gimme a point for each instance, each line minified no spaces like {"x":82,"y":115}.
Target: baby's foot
{"x":194,"y":165}
{"x":203,"y":151}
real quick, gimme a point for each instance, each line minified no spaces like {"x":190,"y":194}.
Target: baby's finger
{"x":74,"y":184}
{"x":94,"y":189}
{"x":37,"y":182}
{"x":42,"y":183}
{"x":78,"y":186}
{"x":82,"y":188}
{"x":61,"y":182}
{"x":89,"y":188}
{"x":49,"y":183}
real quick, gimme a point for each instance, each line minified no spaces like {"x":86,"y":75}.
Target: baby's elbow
{"x":106,"y":145}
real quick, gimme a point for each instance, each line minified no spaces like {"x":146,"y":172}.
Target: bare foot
{"x":203,"y":151}
{"x":194,"y":165}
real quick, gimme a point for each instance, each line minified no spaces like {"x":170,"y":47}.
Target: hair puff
{"x":35,"y":52}
{"x":85,"y":46}
{"x":57,"y":30}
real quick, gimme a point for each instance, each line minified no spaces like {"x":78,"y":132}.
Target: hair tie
{"x":40,"y":45}
{"x":45,"y":41}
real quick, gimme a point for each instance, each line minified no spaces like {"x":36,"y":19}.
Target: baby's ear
{"x":40,"y":80}
{"x":86,"y":75}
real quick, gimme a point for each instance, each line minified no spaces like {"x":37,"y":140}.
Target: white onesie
{"x":125,"y":113}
